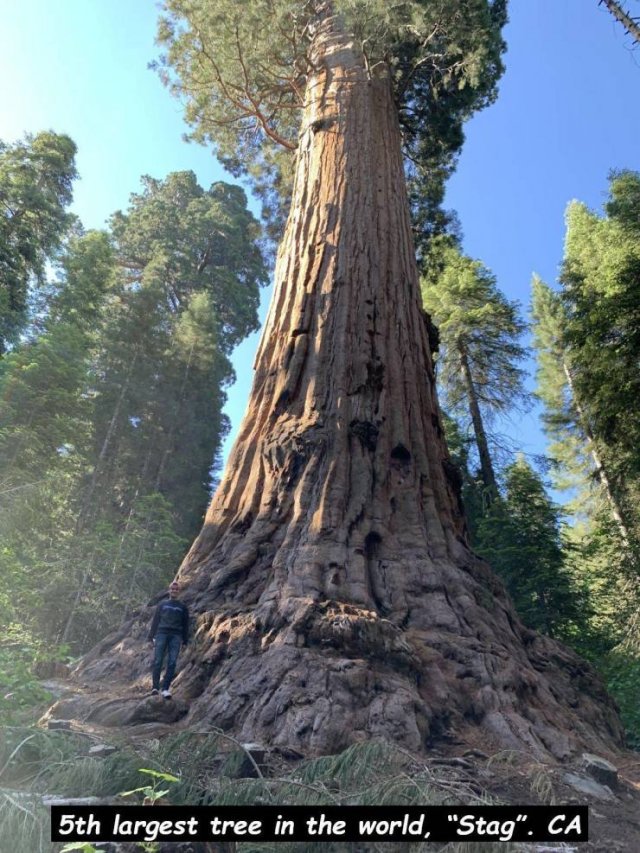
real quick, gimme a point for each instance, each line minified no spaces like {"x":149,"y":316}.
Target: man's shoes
{"x":155,"y":691}
{"x":166,"y":694}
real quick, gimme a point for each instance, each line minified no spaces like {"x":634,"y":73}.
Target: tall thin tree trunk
{"x":106,"y":443}
{"x":113,"y":581}
{"x":615,"y":506}
{"x":334,"y":593}
{"x":486,"y":465}
{"x":80,"y":588}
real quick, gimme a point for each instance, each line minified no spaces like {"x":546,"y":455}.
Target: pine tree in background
{"x":112,"y":408}
{"x":588,"y":345}
{"x":45,"y":436}
{"x":190,"y":269}
{"x":601,"y":295}
{"x":479,"y":354}
{"x":586,"y":337}
{"x":36,"y":177}
{"x":521,"y":536}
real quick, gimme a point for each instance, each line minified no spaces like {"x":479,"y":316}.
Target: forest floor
{"x":458,"y":766}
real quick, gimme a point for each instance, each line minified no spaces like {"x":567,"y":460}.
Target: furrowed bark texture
{"x":335,"y":596}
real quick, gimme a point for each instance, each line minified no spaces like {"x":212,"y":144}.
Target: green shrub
{"x":21,"y":694}
{"x":621,"y":670}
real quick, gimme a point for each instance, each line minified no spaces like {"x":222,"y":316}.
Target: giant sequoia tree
{"x":335,"y":595}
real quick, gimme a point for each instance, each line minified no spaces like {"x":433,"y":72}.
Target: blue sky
{"x":567,"y":113}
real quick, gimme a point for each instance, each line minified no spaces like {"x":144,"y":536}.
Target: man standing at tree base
{"x":169,"y":630}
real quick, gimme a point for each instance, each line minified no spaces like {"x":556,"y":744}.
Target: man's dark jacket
{"x":171,"y":617}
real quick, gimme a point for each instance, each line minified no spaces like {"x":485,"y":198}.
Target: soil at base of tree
{"x":465,"y":764}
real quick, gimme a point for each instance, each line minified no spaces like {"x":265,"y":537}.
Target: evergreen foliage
{"x":36,"y":177}
{"x":241,"y":70}
{"x":43,"y":420}
{"x":474,"y":316}
{"x":479,"y":354}
{"x":461,"y":451}
{"x":601,"y":295}
{"x":586,"y":339}
{"x":111,"y":414}
{"x":191,"y":272}
{"x":587,"y":344}
{"x":45,"y":428}
{"x":521,"y":537}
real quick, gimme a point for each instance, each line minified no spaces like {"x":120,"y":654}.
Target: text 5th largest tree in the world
{"x":336,"y":597}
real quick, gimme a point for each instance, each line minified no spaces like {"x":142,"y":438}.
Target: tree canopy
{"x":241,"y":70}
{"x":36,"y":177}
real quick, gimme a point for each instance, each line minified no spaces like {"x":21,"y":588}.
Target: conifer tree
{"x":45,"y":439}
{"x":479,"y":350}
{"x":587,"y":347}
{"x":601,"y":295}
{"x":189,"y":272}
{"x":521,"y":536}
{"x":36,"y":177}
{"x":112,"y":409}
{"x":587,"y":342}
{"x":574,"y":449}
{"x":192,"y":269}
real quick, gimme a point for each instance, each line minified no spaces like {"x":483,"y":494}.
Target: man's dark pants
{"x":169,"y":643}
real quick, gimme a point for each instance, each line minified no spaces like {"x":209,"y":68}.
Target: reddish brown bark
{"x":335,"y":594}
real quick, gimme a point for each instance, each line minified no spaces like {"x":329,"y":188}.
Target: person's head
{"x":174,"y":589}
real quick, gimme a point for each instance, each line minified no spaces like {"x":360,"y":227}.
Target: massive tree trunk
{"x":335,"y":594}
